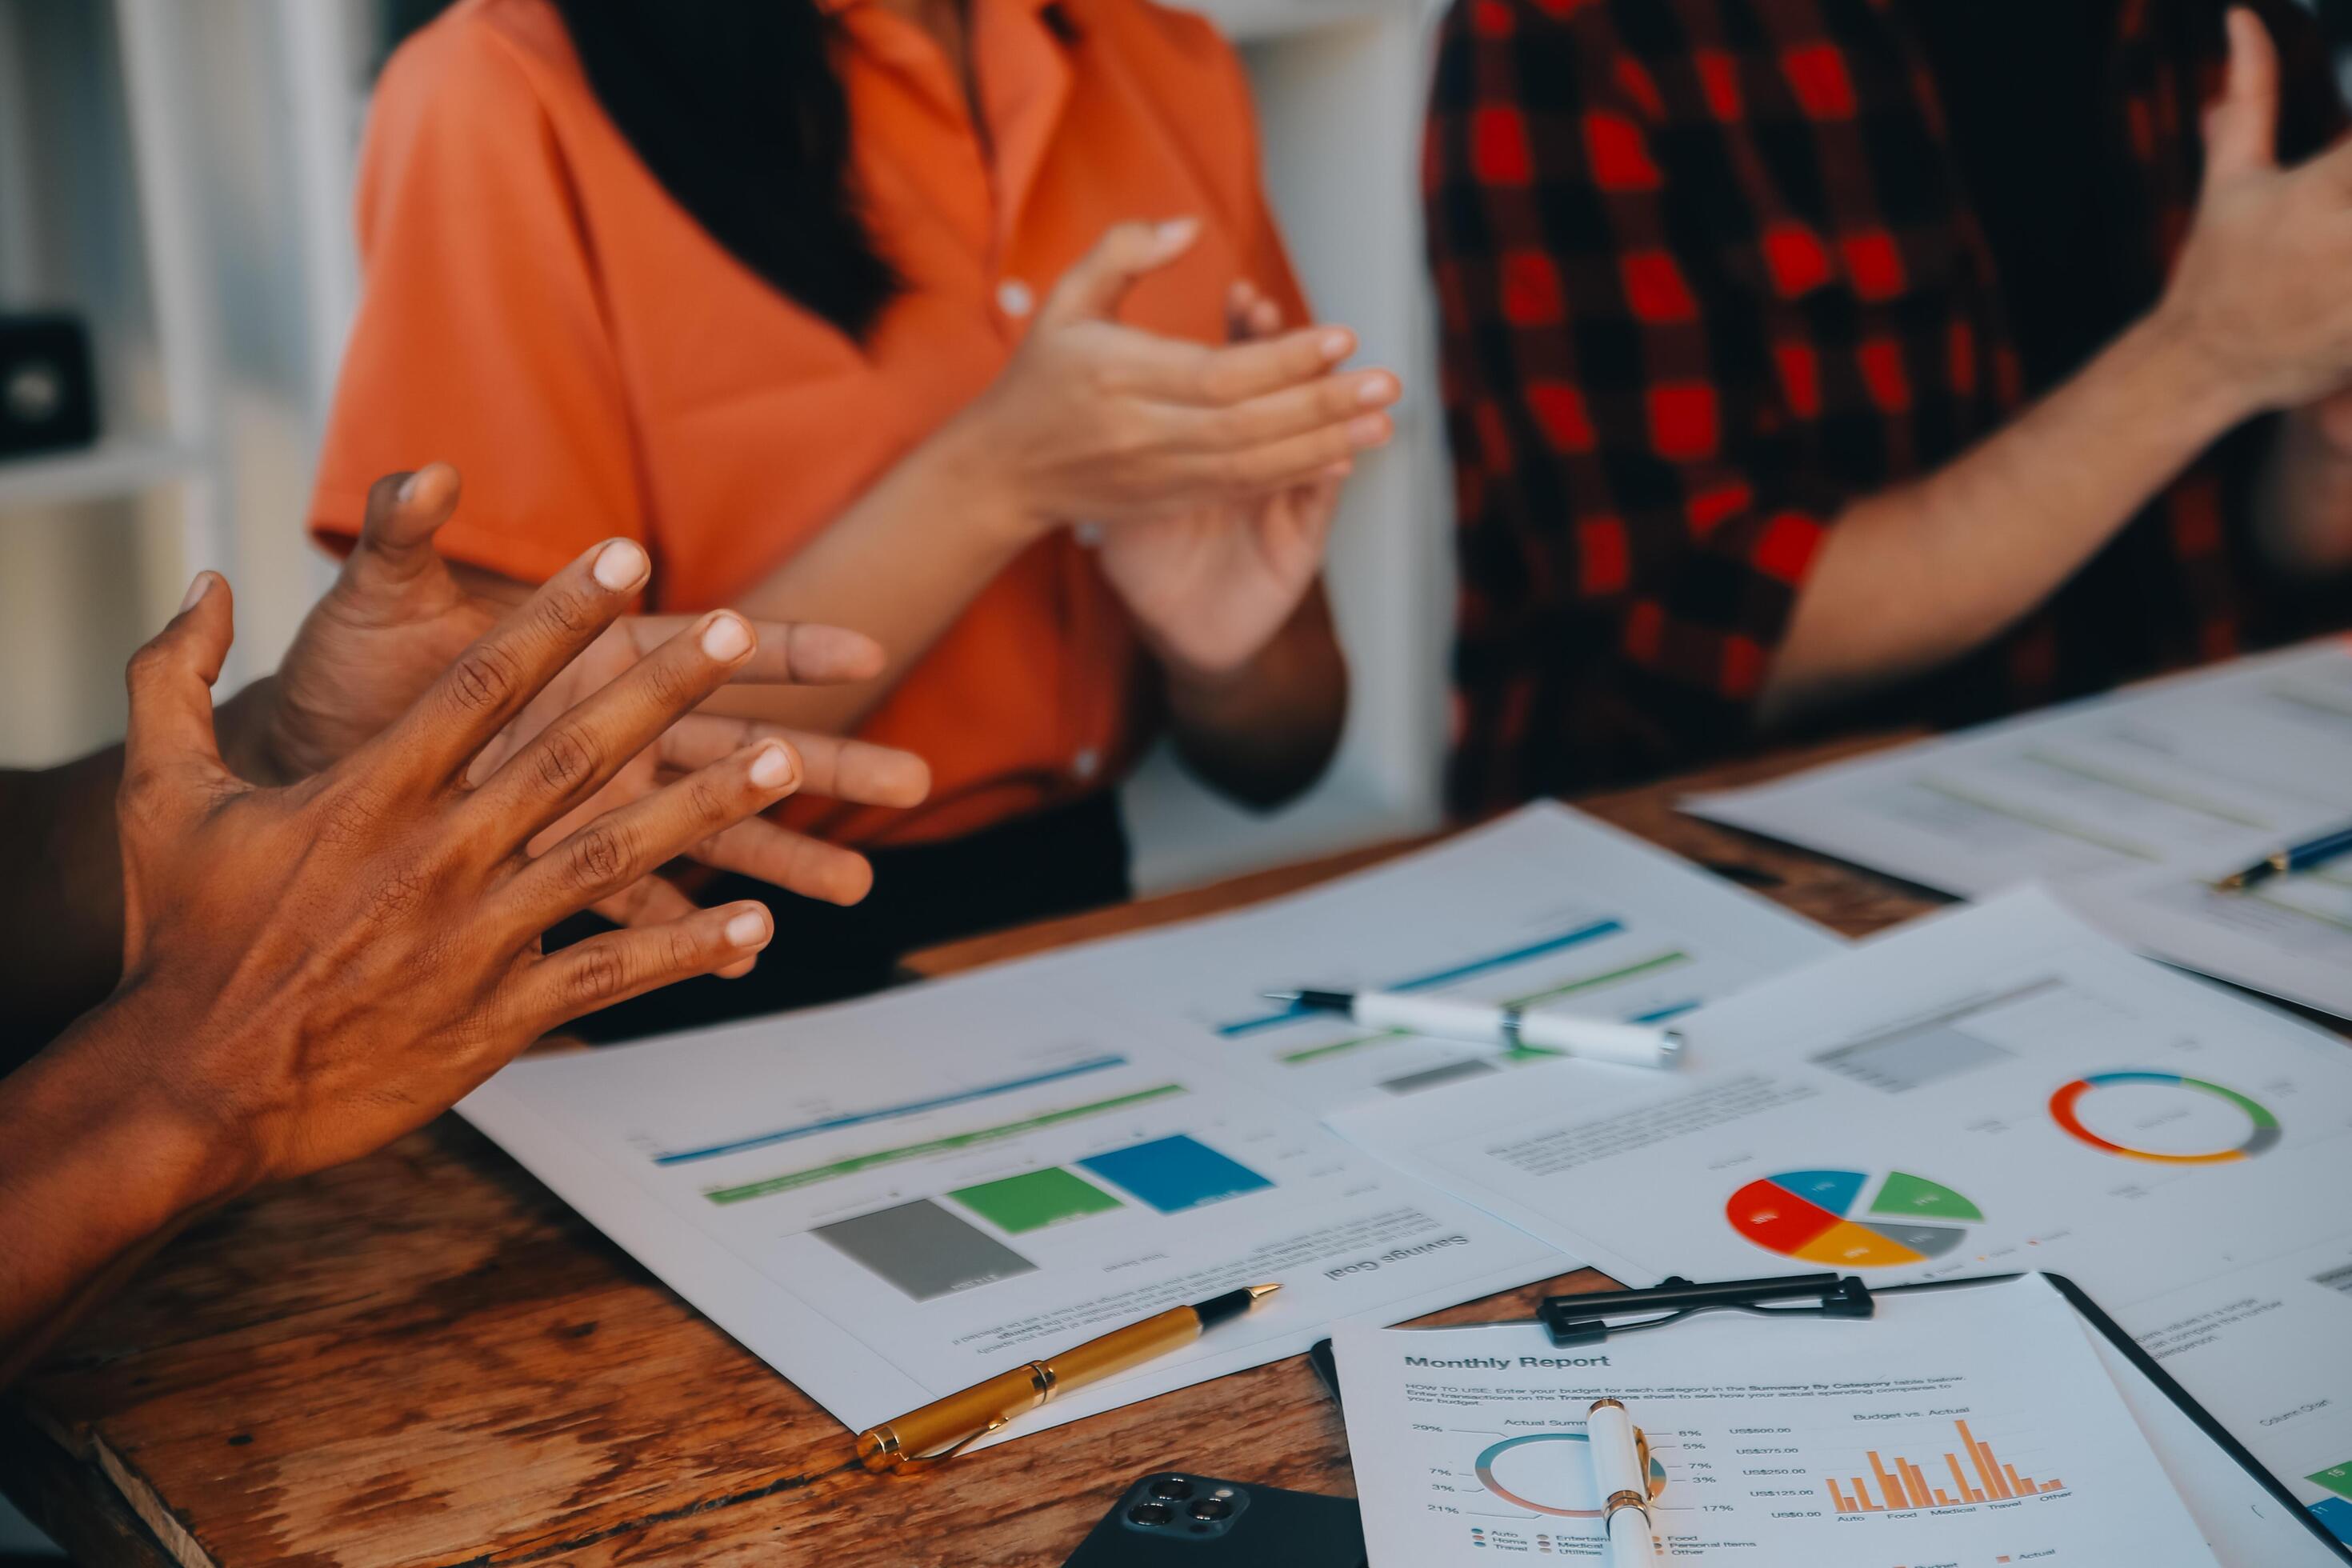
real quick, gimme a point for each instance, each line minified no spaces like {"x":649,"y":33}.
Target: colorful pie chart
{"x":2162,"y":1098}
{"x":1534,"y":1474}
{"x":1823,"y":1217}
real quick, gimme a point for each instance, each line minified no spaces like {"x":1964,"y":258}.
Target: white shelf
{"x":109,"y":471}
{"x":1253,"y":21}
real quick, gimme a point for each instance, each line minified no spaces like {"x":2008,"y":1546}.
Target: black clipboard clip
{"x":1585,"y":1319}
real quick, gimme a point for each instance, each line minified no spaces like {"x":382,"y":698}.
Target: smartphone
{"x":1171,"y":1519}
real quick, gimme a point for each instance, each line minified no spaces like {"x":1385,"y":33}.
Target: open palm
{"x":1210,"y":585}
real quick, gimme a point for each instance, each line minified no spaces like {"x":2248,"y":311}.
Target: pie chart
{"x":2164,"y":1117}
{"x":1824,"y":1217}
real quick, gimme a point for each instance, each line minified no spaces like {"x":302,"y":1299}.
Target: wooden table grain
{"x":424,"y":1360}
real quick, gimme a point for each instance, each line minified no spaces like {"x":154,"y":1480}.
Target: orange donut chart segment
{"x":2263,"y":1134}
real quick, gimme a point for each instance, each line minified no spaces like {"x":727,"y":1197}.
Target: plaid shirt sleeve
{"x":1628,"y":481}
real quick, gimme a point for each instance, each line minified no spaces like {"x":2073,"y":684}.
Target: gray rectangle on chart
{"x":1430,"y":1077}
{"x":1905,"y":1061}
{"x":923,"y":1249}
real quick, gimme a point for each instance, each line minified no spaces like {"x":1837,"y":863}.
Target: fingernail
{"x":1338,"y":344}
{"x":1368,"y":431}
{"x":772,"y":768}
{"x":1375,"y":389}
{"x":196,"y":592}
{"x":748,"y":928}
{"x":1177,"y":230}
{"x":726,"y":638}
{"x":622,"y":565}
{"x":407,"y":492}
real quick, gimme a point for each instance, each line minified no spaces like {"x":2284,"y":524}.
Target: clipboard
{"x":2260,"y":1522}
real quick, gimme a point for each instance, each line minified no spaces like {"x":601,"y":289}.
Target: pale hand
{"x":1209,"y":585}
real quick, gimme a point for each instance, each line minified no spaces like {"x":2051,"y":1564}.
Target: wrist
{"x":2210,"y":386}
{"x":97,"y":1090}
{"x":968,"y":468}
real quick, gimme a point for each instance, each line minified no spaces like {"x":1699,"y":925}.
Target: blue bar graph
{"x":886,"y":1113}
{"x":1593,"y":931}
{"x":1173,"y":1174}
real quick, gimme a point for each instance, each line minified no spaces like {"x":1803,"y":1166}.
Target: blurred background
{"x":177,"y":271}
{"x":175,"y":185}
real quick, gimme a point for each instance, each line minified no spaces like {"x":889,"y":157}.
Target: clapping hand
{"x":397,"y":618}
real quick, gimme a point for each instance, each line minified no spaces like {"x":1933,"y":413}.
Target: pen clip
{"x":1649,"y":1493}
{"x":910,"y":1461}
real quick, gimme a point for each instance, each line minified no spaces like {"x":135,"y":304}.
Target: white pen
{"x":1622,"y":1482}
{"x":1595,"y":1039}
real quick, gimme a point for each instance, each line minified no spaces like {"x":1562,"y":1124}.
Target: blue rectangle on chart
{"x":1176,"y":1173}
{"x":2337,"y":1515}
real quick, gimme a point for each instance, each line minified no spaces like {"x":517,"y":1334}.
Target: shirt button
{"x":1013,"y":298}
{"x":1085,"y":763}
{"x":1089,"y":534}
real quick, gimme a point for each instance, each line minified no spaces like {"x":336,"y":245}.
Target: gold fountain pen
{"x":942,"y":1429}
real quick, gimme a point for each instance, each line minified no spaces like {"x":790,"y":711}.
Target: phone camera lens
{"x":1150,"y":1513}
{"x":1211,"y":1508}
{"x":1175,"y":1488}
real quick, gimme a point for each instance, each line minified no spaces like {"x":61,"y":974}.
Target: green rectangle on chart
{"x":1035,"y":1200}
{"x":2336,"y":1479}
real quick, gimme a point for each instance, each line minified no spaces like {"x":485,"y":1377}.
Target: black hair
{"x":734,"y":106}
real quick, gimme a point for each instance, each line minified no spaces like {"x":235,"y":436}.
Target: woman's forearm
{"x":1916,"y":576}
{"x":1266,"y":731}
{"x":98,"y":1170}
{"x":899,"y":565}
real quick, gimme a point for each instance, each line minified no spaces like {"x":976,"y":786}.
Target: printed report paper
{"x":892,"y":1200}
{"x":2132,"y":804}
{"x":1997,"y":1088}
{"x":1547,"y":908}
{"x":1966,"y":1429}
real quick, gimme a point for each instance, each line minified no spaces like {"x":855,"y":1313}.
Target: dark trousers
{"x":1054,"y":863}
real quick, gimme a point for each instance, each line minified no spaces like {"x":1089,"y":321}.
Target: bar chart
{"x":1901,"y":1485}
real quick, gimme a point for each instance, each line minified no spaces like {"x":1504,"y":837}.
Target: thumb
{"x":2242,"y":124}
{"x":395,"y":552}
{"x":170,"y":744}
{"x":1092,"y":290}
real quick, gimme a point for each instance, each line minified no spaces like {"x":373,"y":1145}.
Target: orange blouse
{"x":540,"y":312}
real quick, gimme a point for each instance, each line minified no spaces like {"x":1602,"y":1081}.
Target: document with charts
{"x":1994,"y":1089}
{"x":1547,"y":908}
{"x":1966,"y":1430}
{"x":894,"y":1199}
{"x":2131,"y":805}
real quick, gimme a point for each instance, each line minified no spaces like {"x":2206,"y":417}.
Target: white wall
{"x":83,"y":580}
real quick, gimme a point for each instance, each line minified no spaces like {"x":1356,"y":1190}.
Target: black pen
{"x":2295,"y":857}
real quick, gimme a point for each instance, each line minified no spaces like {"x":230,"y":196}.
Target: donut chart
{"x":1821,"y":1217}
{"x":2066,"y":1109}
{"x":1533,"y":1477}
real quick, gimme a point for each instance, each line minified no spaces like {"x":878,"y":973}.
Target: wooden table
{"x":425,"y":1359}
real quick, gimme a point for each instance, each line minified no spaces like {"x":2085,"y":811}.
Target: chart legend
{"x":1976,"y":1473}
{"x":1821,"y":1217}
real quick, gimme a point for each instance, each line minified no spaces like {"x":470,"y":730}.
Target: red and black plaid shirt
{"x":1707,"y":273}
